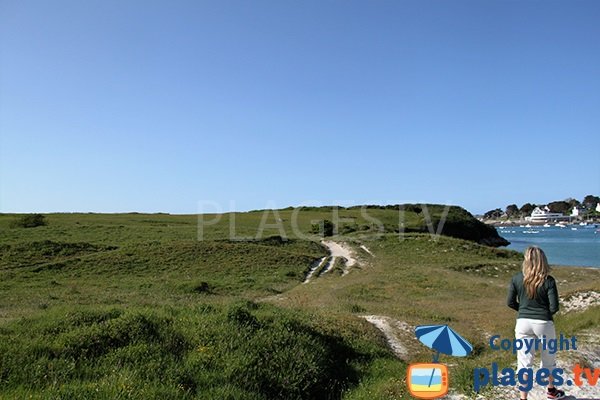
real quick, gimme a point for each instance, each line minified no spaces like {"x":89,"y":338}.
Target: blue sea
{"x":426,"y":380}
{"x":426,"y":376}
{"x":573,"y":245}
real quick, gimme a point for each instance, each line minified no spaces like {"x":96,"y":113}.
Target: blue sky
{"x":150,"y":106}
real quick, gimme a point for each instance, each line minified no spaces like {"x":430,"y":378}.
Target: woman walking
{"x":534,"y":295}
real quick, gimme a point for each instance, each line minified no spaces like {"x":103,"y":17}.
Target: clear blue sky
{"x":151,"y":106}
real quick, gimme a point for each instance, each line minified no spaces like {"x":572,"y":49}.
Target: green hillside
{"x":137,"y":306}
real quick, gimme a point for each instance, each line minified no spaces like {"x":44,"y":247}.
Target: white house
{"x":577,"y":211}
{"x":543,"y":215}
{"x":598,"y":207}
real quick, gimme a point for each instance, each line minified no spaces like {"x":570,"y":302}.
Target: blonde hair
{"x":535,"y":270}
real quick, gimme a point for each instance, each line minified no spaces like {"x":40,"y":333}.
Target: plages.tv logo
{"x":430,"y":380}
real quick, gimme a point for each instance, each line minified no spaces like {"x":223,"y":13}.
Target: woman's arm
{"x":511,"y":300}
{"x":552,"y":296}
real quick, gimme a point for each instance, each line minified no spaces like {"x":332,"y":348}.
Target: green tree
{"x":493,"y":214}
{"x":559,"y":207}
{"x":573,"y":202}
{"x":526,"y":209}
{"x":590,"y":201}
{"x":512,"y":210}
{"x":325,"y":228}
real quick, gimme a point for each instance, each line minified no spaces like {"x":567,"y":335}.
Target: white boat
{"x":528,"y":226}
{"x":560,"y":225}
{"x":546,"y":225}
{"x":582,"y":223}
{"x":531,"y":231}
{"x":573,"y":228}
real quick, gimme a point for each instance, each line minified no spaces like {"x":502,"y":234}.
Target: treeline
{"x":587,"y":206}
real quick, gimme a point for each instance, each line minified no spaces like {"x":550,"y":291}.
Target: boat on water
{"x":531,"y":231}
{"x":546,"y":225}
{"x":560,"y":225}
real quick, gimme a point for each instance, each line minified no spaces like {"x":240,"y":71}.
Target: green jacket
{"x":543,"y":306}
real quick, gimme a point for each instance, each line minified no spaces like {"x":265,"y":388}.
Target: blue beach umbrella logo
{"x":443,"y":339}
{"x":431,"y":380}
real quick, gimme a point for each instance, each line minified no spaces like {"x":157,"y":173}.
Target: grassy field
{"x":136,"y":306}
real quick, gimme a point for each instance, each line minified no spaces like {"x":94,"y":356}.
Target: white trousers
{"x":532,"y":329}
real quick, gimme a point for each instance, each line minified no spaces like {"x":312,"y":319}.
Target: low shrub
{"x":325,"y":228}
{"x":29,"y":221}
{"x":242,"y":351}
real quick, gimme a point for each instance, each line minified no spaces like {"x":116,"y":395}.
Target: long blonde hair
{"x":535,"y":270}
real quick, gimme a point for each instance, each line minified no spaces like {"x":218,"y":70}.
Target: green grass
{"x":135,"y":306}
{"x":242,"y":351}
{"x":290,"y":223}
{"x":36,"y":275}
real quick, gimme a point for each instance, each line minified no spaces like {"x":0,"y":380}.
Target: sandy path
{"x":386,"y":326}
{"x":315,"y":267}
{"x":362,"y":246}
{"x":336,"y":250}
{"x":339,"y":250}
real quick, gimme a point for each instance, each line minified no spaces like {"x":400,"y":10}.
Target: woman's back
{"x":541,"y":307}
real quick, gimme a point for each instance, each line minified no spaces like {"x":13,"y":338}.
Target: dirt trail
{"x":387,"y":326}
{"x":324,"y":265}
{"x":314,"y":268}
{"x":362,"y":246}
{"x":339,"y":250}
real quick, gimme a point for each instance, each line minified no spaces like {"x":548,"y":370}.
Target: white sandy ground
{"x":362,"y":246}
{"x":580,"y":301}
{"x":316,"y":265}
{"x":326,"y":263}
{"x":387,"y":326}
{"x":339,"y":250}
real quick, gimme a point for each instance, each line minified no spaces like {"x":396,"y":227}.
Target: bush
{"x":29,"y":221}
{"x":348,"y":228}
{"x":243,"y":351}
{"x":202,"y":287}
{"x":324,"y":228}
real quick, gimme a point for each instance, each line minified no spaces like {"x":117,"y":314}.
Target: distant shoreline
{"x":497,"y":223}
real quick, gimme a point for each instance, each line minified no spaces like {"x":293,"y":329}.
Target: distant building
{"x":577,"y":211}
{"x":540,"y":214}
{"x":598,"y":207}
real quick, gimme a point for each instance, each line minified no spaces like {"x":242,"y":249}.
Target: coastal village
{"x":585,"y":214}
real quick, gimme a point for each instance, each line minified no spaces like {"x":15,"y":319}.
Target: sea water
{"x":573,"y":245}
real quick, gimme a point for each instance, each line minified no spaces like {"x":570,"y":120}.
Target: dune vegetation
{"x":138,"y":306}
